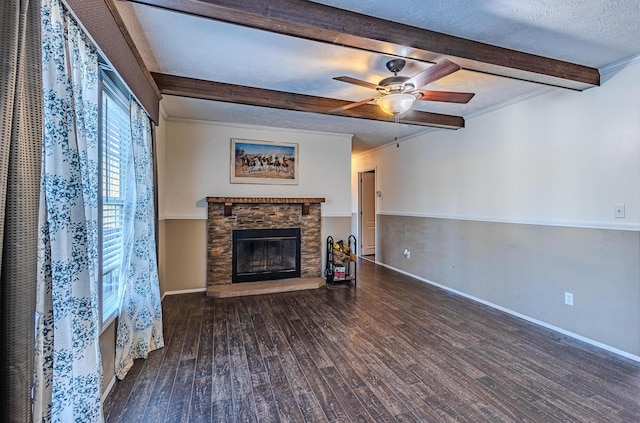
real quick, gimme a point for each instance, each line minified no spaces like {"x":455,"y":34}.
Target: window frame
{"x":111,"y":86}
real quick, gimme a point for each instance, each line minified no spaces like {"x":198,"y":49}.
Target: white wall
{"x":563,"y":157}
{"x":161,"y":160}
{"x":198,"y":166}
{"x":195,"y":164}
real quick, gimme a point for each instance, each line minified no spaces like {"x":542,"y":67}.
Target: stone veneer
{"x":261,"y":213}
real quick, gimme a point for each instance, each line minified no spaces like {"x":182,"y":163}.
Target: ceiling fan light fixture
{"x":396,"y":104}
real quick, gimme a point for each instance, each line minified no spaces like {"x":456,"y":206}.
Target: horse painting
{"x":263,"y":162}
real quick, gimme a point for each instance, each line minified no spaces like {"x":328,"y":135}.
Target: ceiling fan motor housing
{"x":395,"y":84}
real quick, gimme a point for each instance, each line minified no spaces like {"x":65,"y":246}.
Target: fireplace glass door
{"x":265,"y":254}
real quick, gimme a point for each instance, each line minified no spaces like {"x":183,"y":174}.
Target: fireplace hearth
{"x":265,"y":254}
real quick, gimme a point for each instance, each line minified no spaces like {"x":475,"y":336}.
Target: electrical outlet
{"x":568,"y":298}
{"x":619,"y":211}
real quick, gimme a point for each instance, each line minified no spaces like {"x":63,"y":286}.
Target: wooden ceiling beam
{"x":230,"y":93}
{"x":305,"y":19}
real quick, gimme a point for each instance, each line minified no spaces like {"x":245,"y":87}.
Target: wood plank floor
{"x":391,"y":349}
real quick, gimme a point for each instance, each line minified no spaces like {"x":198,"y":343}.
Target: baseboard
{"x":183,"y":291}
{"x":520,"y":315}
{"x":107,"y":391}
{"x":371,"y":260}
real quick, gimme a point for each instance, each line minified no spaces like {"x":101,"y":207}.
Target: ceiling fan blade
{"x":446,"y":96}
{"x":352,"y":105}
{"x":359,"y":82}
{"x":432,"y":74}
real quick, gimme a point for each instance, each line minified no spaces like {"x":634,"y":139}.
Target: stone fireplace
{"x":229,"y":215}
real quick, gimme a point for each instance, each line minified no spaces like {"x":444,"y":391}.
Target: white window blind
{"x":116,"y":138}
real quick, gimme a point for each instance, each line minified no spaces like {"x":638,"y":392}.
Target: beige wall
{"x":337,"y":227}
{"x":185,"y":250}
{"x":186,"y":254}
{"x":527,"y":269}
{"x":162,"y":255}
{"x":108,"y":354}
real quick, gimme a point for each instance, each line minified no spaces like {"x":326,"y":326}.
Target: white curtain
{"x":140,"y":315}
{"x":68,"y":369}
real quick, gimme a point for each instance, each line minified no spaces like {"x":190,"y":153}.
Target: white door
{"x":368,"y":213}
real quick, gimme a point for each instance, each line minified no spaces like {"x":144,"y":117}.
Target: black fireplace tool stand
{"x":341,"y":260}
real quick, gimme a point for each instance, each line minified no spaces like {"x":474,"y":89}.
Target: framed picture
{"x":263,"y":162}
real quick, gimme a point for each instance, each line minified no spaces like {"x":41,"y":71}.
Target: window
{"x":115,"y":139}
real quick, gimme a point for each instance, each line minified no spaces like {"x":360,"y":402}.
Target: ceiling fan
{"x":397,"y":93}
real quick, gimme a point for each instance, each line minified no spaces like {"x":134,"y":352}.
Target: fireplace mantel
{"x":230,"y":201}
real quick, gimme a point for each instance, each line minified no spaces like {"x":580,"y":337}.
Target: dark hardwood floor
{"x":391,"y":349}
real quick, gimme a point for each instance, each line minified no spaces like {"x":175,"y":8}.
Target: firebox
{"x":265,"y":254}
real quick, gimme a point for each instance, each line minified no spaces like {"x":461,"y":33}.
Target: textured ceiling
{"x":592,"y":32}
{"x":178,"y":44}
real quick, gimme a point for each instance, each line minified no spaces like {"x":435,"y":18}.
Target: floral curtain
{"x":68,"y":368}
{"x":140,"y":315}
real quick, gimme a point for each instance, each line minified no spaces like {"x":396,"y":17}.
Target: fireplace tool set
{"x":341,"y":260}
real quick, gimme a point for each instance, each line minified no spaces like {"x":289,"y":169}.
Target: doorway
{"x":367,"y":213}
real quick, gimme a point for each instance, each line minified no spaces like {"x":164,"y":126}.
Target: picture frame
{"x":263,"y":162}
